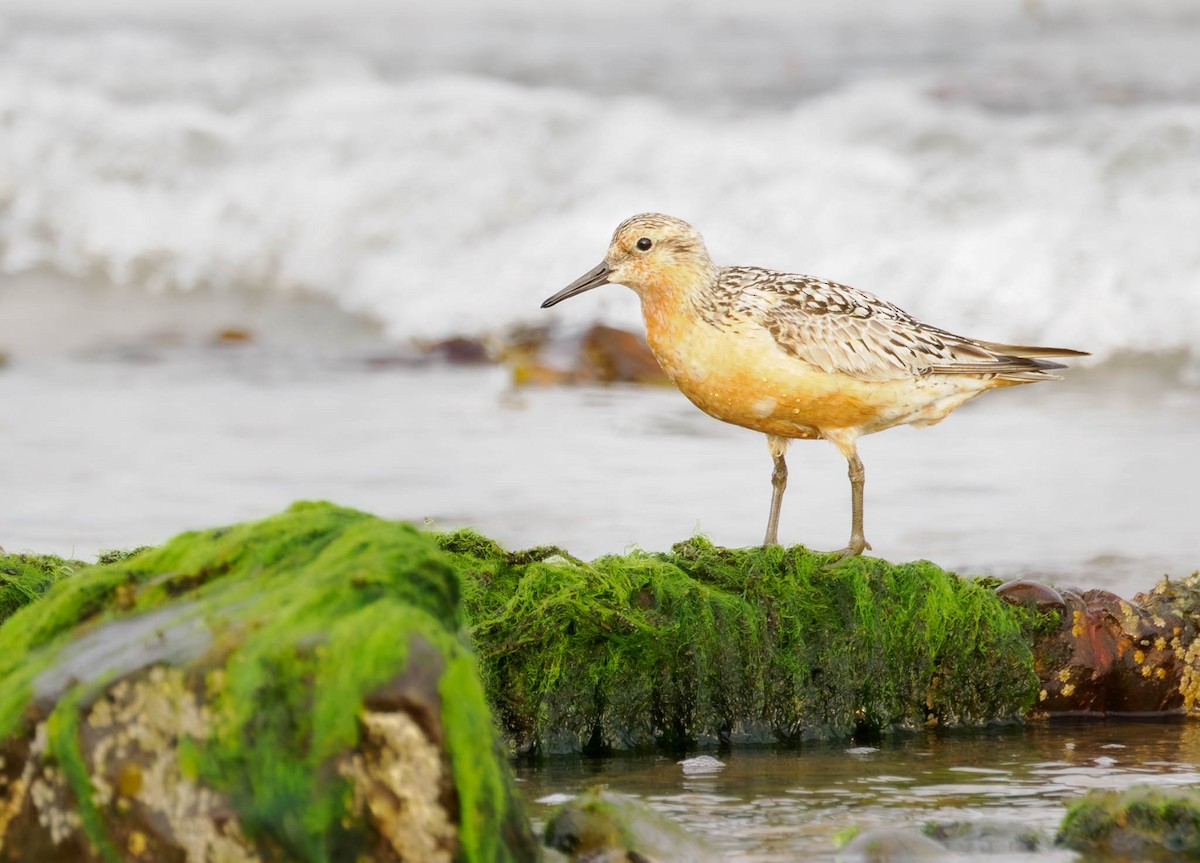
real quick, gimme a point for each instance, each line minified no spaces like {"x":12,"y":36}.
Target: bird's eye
{"x":644,"y":244}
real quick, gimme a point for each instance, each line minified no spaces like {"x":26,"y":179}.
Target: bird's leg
{"x":858,"y":542}
{"x":778,"y":447}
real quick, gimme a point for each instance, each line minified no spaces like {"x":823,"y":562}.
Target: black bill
{"x":591,"y":279}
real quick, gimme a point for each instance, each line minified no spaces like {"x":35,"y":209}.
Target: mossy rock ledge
{"x":294,"y":689}
{"x":302,"y":687}
{"x":25,"y":578}
{"x":707,"y":646}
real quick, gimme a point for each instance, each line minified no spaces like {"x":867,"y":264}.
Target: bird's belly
{"x":745,"y":379}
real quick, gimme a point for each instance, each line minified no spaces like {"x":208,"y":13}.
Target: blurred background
{"x":234,"y":239}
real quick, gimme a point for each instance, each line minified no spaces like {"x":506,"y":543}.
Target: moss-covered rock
{"x":706,"y":644}
{"x":1140,"y":823}
{"x":994,"y":838}
{"x":290,"y":689}
{"x":696,"y":646}
{"x":602,"y":827}
{"x":26,"y":577}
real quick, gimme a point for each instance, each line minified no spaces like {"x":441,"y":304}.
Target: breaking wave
{"x":440,"y":202}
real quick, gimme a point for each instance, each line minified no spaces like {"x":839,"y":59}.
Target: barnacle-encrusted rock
{"x":290,"y":689}
{"x":1110,"y":655}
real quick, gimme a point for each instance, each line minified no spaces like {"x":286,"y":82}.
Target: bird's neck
{"x":675,"y":296}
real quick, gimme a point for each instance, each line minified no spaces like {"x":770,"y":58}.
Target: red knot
{"x":794,"y":356}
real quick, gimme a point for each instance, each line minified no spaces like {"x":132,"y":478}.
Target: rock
{"x":531,"y":373}
{"x":705,"y":646}
{"x":701,"y":765}
{"x":1032,"y":595}
{"x":289,"y":689}
{"x":1109,"y":655}
{"x":26,"y":577}
{"x":991,"y":838}
{"x":609,"y":354}
{"x":889,"y":845}
{"x":698,"y":647}
{"x":602,"y":827}
{"x":1140,"y":823}
{"x":461,"y":351}
{"x":601,"y":354}
{"x":457,"y":351}
{"x":232,"y":336}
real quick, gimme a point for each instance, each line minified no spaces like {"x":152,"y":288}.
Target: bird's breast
{"x":736,"y":372}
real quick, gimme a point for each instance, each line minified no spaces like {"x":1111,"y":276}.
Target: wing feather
{"x":837,"y":328}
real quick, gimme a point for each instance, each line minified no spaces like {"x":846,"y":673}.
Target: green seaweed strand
{"x":62,"y":729}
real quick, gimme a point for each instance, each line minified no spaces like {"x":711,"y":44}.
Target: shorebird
{"x":797,"y":357}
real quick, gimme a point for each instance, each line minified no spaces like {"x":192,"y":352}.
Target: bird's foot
{"x":857,"y":546}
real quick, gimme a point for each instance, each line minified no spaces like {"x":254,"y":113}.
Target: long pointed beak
{"x":591,"y":279}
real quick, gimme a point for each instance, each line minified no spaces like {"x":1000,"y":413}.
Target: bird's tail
{"x":1036,"y":355}
{"x":1032,"y":351}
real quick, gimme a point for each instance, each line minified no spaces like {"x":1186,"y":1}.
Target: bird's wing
{"x":842,"y":329}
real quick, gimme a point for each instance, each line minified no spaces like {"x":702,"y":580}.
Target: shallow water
{"x":785,"y":805}
{"x":144,"y":430}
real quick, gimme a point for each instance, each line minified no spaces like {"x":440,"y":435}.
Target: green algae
{"x":699,"y":645}
{"x":1144,"y":822}
{"x":705,"y":644}
{"x":306,"y":610}
{"x":63,"y":743}
{"x":25,"y":578}
{"x":1179,"y":596}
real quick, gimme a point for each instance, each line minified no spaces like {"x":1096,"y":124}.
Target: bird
{"x":797,"y":357}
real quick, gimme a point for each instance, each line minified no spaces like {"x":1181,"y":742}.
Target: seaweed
{"x":287,"y":629}
{"x":1141,"y":822}
{"x":26,"y":577}
{"x":309,"y":612}
{"x":708,"y":645}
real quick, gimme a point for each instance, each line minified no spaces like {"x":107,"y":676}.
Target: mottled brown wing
{"x":842,"y":329}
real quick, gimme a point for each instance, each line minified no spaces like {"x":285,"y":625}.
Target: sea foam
{"x":441,"y":203}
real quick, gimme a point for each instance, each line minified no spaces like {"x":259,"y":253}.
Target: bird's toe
{"x":856,"y":547}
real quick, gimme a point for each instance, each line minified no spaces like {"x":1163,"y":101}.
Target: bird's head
{"x":650,"y":253}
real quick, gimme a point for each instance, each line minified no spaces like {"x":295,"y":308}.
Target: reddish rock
{"x":233,"y":336}
{"x":1112,"y":656}
{"x":610,"y":354}
{"x":462,"y":351}
{"x":602,"y":354}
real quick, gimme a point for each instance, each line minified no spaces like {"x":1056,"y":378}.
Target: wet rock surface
{"x":1109,"y":655}
{"x":706,"y":646}
{"x":291,"y":689}
{"x":601,"y":354}
{"x":890,"y":845}
{"x":300,"y":688}
{"x":600,"y":826}
{"x":1140,"y":823}
{"x":995,"y":838}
